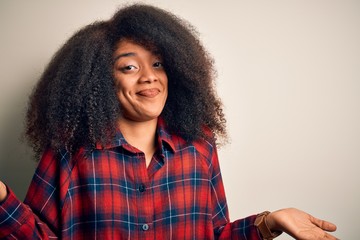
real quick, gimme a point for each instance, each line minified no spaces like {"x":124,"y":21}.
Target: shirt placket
{"x":144,"y":199}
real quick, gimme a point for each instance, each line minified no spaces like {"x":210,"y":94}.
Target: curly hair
{"x":75,"y":104}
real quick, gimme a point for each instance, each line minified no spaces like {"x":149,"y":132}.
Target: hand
{"x":3,"y":191}
{"x":300,"y":225}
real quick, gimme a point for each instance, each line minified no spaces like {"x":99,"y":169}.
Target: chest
{"x":116,"y":187}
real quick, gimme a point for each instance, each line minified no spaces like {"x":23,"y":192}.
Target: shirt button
{"x":141,"y":188}
{"x":145,"y":227}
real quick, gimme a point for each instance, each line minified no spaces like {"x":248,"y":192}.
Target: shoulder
{"x":202,"y":149}
{"x":205,"y":145}
{"x":60,"y":160}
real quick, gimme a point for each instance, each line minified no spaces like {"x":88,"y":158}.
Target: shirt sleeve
{"x":38,"y":217}
{"x":224,"y":229}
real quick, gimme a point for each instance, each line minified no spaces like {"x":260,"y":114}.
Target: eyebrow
{"x":124,"y":55}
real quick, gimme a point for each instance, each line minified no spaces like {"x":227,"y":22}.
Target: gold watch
{"x":260,"y":223}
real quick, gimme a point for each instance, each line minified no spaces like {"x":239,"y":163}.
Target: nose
{"x":148,"y":75}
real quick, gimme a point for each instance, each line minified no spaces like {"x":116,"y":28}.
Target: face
{"x":141,"y":80}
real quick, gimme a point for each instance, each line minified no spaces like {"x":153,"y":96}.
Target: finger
{"x":330,"y":237}
{"x":325,"y":225}
{"x":3,"y":191}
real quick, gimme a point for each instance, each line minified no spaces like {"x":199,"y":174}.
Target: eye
{"x":158,"y":65}
{"x":128,"y":68}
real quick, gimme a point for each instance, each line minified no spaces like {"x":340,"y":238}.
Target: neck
{"x":140,"y":135}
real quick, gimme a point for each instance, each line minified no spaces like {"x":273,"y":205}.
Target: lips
{"x":150,"y":93}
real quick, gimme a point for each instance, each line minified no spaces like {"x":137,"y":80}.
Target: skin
{"x":142,"y":89}
{"x":136,"y":70}
{"x":300,"y":225}
{"x":3,"y":191}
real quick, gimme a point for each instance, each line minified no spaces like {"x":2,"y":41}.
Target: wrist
{"x":266,"y":227}
{"x":271,"y":222}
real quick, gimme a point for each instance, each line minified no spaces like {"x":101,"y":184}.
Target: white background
{"x":289,"y":77}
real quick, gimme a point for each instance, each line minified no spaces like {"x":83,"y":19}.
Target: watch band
{"x":260,"y":223}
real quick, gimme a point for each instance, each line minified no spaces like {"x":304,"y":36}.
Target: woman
{"x":126,"y":119}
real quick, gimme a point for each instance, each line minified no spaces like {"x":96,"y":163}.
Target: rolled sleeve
{"x":13,"y":214}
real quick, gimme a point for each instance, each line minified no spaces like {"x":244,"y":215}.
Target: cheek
{"x":166,"y":83}
{"x":122,"y":86}
{"x":123,"y":97}
{"x":118,"y":86}
{"x":121,"y":94}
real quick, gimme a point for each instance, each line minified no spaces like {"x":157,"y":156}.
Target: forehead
{"x":125,"y":45}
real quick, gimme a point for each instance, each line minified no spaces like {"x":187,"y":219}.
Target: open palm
{"x":300,"y":225}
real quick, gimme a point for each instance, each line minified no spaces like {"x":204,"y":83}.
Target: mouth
{"x":150,"y":93}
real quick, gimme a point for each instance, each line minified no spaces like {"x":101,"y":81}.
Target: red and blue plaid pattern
{"x":110,"y":194}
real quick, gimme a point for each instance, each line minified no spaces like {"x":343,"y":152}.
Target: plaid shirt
{"x":110,"y":194}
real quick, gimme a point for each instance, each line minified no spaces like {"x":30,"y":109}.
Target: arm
{"x":39,"y":217}
{"x":223,"y":228}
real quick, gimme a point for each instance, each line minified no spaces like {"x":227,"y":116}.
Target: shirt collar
{"x":163,"y":137}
